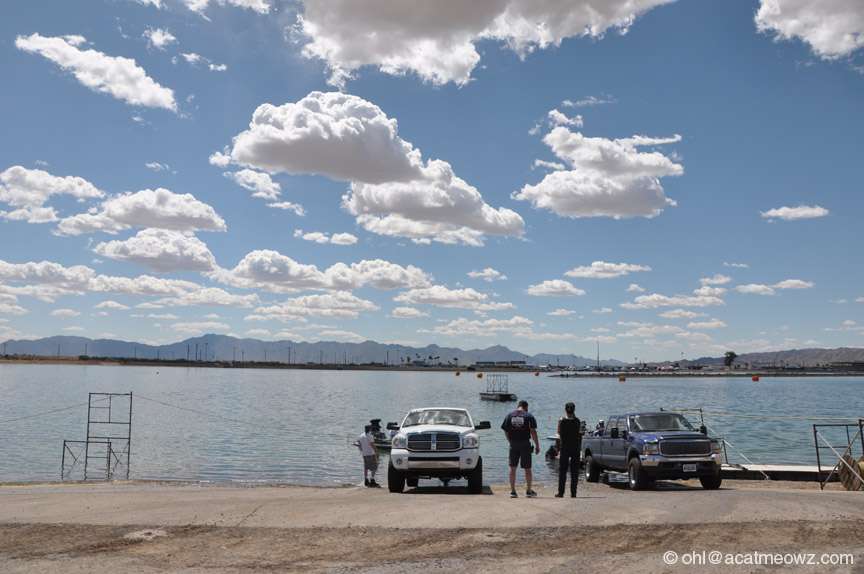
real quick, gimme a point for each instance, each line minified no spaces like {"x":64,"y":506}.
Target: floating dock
{"x":774,"y":472}
{"x":502,"y":397}
{"x":496,"y":389}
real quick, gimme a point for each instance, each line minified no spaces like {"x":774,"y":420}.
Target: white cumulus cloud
{"x":793,"y":213}
{"x":272,"y":271}
{"x":117,"y":76}
{"x":437,"y":40}
{"x":833,"y":28}
{"x":338,"y":135}
{"x":338,"y":305}
{"x":27,"y":190}
{"x":441,"y":296}
{"x":757,"y":289}
{"x":160,"y":209}
{"x":487,"y":274}
{"x":260,"y":183}
{"x":408,"y":313}
{"x":608,"y":178}
{"x":159,"y":38}
{"x":437,"y":206}
{"x":603,"y":270}
{"x":259,"y":6}
{"x":392,"y":191}
{"x":554,"y":288}
{"x":161,"y":251}
{"x":321,"y":237}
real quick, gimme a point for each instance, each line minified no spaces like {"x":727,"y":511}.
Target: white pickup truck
{"x":436,"y":442}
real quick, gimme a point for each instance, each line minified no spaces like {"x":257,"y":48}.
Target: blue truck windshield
{"x":659,"y":422}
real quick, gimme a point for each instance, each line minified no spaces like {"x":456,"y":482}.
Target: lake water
{"x":294,"y":426}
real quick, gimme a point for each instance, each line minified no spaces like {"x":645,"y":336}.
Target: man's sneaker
{"x":530,"y":494}
{"x":374,"y":484}
{"x":513,"y":494}
{"x":365,"y":482}
{"x":573,"y":495}
{"x":559,"y":495}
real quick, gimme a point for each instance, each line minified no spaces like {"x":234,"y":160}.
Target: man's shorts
{"x":370,"y":462}
{"x":520,"y":449}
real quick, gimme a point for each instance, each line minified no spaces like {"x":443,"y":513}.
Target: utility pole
{"x":289,"y":355}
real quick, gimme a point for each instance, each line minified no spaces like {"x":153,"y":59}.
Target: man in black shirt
{"x":570,"y":434}
{"x":520,"y":427}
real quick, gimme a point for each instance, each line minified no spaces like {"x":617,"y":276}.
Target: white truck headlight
{"x":400,"y":441}
{"x":471,"y":441}
{"x":651,"y":448}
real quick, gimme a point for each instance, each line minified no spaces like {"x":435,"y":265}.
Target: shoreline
{"x":466,"y":371}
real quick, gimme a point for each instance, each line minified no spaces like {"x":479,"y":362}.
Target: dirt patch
{"x":48,"y":547}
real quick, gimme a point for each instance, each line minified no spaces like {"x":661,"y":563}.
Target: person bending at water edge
{"x":370,"y":457}
{"x":520,"y":427}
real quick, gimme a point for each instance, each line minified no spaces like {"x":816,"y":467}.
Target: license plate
{"x":689,"y":467}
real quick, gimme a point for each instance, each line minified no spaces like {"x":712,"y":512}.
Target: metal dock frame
{"x":842,"y":465}
{"x":109,"y":437}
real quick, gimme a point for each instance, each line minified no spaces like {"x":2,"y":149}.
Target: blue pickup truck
{"x":653,"y":445}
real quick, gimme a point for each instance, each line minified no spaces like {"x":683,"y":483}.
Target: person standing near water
{"x":570,"y":434}
{"x":370,"y":457}
{"x":520,"y":427}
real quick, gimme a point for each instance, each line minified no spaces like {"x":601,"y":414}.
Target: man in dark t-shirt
{"x":520,"y":427}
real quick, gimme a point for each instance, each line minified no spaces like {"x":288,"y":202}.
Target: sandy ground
{"x":193,"y":528}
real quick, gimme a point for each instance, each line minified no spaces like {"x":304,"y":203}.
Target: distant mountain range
{"x":226,"y":348}
{"x":790,"y":358}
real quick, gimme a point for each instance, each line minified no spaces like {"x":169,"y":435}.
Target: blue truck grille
{"x":431,"y":441}
{"x":685,"y":447}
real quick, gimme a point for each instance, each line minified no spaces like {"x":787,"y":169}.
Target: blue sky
{"x":669,"y":178}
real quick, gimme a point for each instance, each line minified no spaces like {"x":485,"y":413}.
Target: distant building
{"x":848,"y":366}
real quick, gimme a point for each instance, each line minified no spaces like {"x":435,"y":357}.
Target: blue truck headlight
{"x":651,"y":448}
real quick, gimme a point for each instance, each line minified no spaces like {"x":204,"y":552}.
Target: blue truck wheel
{"x":592,"y":470}
{"x":636,"y":476}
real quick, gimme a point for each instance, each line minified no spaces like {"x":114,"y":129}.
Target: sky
{"x":667,"y":179}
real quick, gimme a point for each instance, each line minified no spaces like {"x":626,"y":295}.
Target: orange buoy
{"x":458,"y":373}
{"x":622,"y":378}
{"x":537,"y":374}
{"x":479,"y":375}
{"x":756,"y":379}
